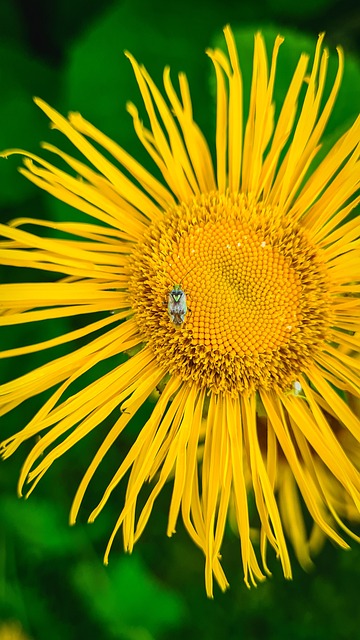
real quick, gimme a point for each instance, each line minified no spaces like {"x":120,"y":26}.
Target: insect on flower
{"x":296,"y":388}
{"x":177,"y":306}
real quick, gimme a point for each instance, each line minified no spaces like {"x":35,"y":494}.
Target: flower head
{"x":233,"y":291}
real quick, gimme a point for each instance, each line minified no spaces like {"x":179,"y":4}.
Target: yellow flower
{"x":12,"y":630}
{"x":235,"y":294}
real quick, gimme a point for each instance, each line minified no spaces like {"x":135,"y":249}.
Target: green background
{"x":51,"y":576}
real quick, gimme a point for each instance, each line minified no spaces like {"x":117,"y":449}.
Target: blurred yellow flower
{"x":12,"y":630}
{"x":236,"y":293}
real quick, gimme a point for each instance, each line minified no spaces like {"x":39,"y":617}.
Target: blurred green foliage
{"x":52,"y":578}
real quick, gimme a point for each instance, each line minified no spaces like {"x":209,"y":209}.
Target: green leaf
{"x":129,"y":601}
{"x":99,"y":80}
{"x":40,"y":526}
{"x":21,"y":123}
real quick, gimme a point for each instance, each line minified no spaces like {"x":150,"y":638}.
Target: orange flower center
{"x":231,"y":293}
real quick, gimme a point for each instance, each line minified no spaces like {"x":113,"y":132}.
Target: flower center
{"x":231,"y":294}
